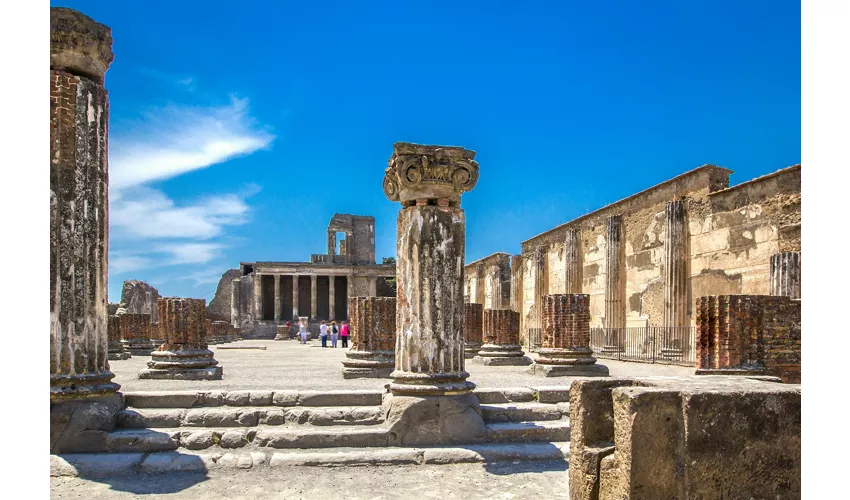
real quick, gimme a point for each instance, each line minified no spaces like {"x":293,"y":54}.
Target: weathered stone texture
{"x":242,"y":301}
{"x":565,"y":347}
{"x":684,"y":437}
{"x":501,"y":339}
{"x":488,"y":281}
{"x":372,"y":336}
{"x":749,"y":334}
{"x":473,"y":323}
{"x":785,"y":271}
{"x":140,"y":298}
{"x":80,"y":53}
{"x":116,"y":348}
{"x":219,"y":308}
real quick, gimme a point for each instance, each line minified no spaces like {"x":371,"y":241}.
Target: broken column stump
{"x":472,"y":329}
{"x":219,"y":331}
{"x":501,"y":340}
{"x":136,"y":331}
{"x":431,"y":400}
{"x":184,"y":354}
{"x":372,"y":353}
{"x":282,"y":332}
{"x":83,"y":399}
{"x":116,"y":348}
{"x":565,"y":350}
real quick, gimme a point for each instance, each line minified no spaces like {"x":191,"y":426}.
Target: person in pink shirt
{"x":343,"y":333}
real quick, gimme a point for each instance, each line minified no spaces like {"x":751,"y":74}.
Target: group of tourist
{"x":325,"y":330}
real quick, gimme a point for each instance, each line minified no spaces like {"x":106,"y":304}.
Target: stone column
{"x":373,"y":286}
{"x":276,"y":297}
{"x":785,"y":274}
{"x":234,"y":301}
{"x":676,"y":333}
{"x":258,"y":297}
{"x":565,"y":350}
{"x":82,"y":394}
{"x":495,"y":277}
{"x":472,"y":329}
{"x":116,"y":348}
{"x":314,"y":304}
{"x":372,"y":335}
{"x":331,"y":246}
{"x":184,"y":355}
{"x":541,"y":269}
{"x":431,"y":399}
{"x":615,"y":290}
{"x":501,"y":340}
{"x":331,"y":297}
{"x":572,"y":261}
{"x":136,"y":331}
{"x":220,"y":332}
{"x":516,"y":284}
{"x":295,"y":297}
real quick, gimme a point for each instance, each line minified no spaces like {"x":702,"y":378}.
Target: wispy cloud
{"x":205,"y":276}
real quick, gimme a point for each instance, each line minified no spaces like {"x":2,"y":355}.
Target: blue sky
{"x":238,"y":129}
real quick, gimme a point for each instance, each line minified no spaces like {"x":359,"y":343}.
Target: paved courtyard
{"x":290,"y":365}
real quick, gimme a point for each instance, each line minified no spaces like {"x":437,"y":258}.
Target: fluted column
{"x":373,"y":338}
{"x":234,"y":301}
{"x":572,"y":261}
{"x":501,"y":339}
{"x":331,"y":297}
{"x":516,"y":284}
{"x":674,"y":338}
{"x":184,"y":354}
{"x":473,"y":316}
{"x":295,"y":314}
{"x":615,"y":290}
{"x":565,"y":350}
{"x":785,"y":274}
{"x":80,"y":53}
{"x":276,"y":278}
{"x":541,"y":269}
{"x":495,"y":276}
{"x":314,"y":304}
{"x":258,"y":297}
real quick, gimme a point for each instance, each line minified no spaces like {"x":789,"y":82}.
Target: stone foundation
{"x":684,"y":437}
{"x":184,"y":355}
{"x":565,"y":350}
{"x":749,"y":334}
{"x":372,"y":337}
{"x":501,"y":340}
{"x":472,"y":329}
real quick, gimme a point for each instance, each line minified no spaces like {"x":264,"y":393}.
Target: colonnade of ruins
{"x":282,"y":292}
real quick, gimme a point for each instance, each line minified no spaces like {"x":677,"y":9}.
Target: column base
{"x":81,"y":425}
{"x":470,"y":350}
{"x":117,"y":356}
{"x":282,"y":336}
{"x":424,"y":384}
{"x":67,"y":387}
{"x":671,"y":353}
{"x":182,"y":364}
{"x":211,"y":373}
{"x":502,"y":355}
{"x":142,"y":348}
{"x":368,"y":364}
{"x":612,"y":349}
{"x":434,"y":420}
{"x":542,"y":370}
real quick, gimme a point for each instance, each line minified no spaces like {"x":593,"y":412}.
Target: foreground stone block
{"x":684,"y":437}
{"x":184,"y":355}
{"x":501,"y":340}
{"x":372,"y":353}
{"x":565,"y":350}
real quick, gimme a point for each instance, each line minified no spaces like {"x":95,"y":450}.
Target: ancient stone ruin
{"x":138,"y":297}
{"x":373,"y":338}
{"x":501,"y":340}
{"x":136,"y":332}
{"x":117,"y":348}
{"x":566,"y":338}
{"x":184,"y":354}
{"x":473,"y":325}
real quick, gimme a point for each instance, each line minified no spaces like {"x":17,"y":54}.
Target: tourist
{"x":343,"y":333}
{"x":323,"y":331}
{"x":334,"y":334}
{"x":289,"y":329}
{"x":302,"y":329}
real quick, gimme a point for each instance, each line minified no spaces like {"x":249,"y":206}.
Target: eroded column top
{"x":438,"y":174}
{"x":79,"y":44}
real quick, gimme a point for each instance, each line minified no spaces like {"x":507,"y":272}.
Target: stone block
{"x":430,"y":420}
{"x":285,"y":398}
{"x":80,"y":425}
{"x":339,"y":398}
{"x":211,"y":373}
{"x":594,"y":370}
{"x":163,"y":399}
{"x":507,"y":395}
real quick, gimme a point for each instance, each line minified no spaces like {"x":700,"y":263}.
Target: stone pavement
{"x":290,"y":365}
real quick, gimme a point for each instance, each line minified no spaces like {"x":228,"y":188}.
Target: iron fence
{"x":650,"y":344}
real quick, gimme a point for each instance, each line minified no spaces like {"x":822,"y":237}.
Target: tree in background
{"x":390,"y":281}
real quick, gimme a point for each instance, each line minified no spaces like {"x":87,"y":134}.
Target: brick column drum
{"x":565,"y":349}
{"x":116,"y":349}
{"x":219,"y":330}
{"x":211,"y":340}
{"x":431,"y":401}
{"x":136,"y":331}
{"x":501,"y":340}
{"x":372,"y":336}
{"x":473,"y":317}
{"x":184,"y":355}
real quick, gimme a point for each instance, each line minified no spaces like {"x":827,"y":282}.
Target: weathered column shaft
{"x":572,"y":261}
{"x":80,"y":53}
{"x":541,"y":269}
{"x":234,"y":302}
{"x":785,"y":274}
{"x":516,"y":283}
{"x":675,"y":267}
{"x":495,"y":276}
{"x":314,"y":304}
{"x":615,"y":290}
{"x":276,"y":278}
{"x":295,"y":296}
{"x":331,"y":297}
{"x":258,"y":297}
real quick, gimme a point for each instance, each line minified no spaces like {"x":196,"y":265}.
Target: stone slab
{"x":339,"y":398}
{"x":553,"y":393}
{"x":350,"y":373}
{"x":248,"y":347}
{"x":92,"y":465}
{"x":503,"y":361}
{"x":506,"y":395}
{"x":398,"y":456}
{"x":211,"y":373}
{"x":594,"y":370}
{"x":174,"y":461}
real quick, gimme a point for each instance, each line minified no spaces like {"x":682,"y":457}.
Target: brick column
{"x":431,"y":399}
{"x":572,"y":261}
{"x":472,"y":329}
{"x":184,"y":355}
{"x":136,"y":331}
{"x":785,"y":274}
{"x":615,"y":286}
{"x":314,"y":304}
{"x":276,"y":278}
{"x":116,"y":348}
{"x":295,"y":297}
{"x":501,"y":340}
{"x":372,"y":336}
{"x":220,"y":332}
{"x":331,"y":297}
{"x":565,"y":350}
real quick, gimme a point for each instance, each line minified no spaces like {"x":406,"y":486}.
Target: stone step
{"x":91,"y":465}
{"x":541,"y":394}
{"x":524,"y":412}
{"x":521,"y":432}
{"x":285,"y":398}
{"x":248,"y":416}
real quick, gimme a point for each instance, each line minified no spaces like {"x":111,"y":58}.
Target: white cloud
{"x":119,"y":264}
{"x":190,"y":252}
{"x":205,"y":276}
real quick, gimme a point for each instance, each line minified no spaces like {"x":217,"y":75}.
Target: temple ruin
{"x":270,"y":293}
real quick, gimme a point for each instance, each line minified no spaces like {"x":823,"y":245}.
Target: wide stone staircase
{"x":165,"y":431}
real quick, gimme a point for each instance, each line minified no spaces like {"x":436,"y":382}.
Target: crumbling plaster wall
{"x":479,"y":286}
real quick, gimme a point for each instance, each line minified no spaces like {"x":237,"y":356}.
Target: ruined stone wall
{"x":219,"y":307}
{"x":363,"y":249}
{"x":487,"y":281}
{"x":360,"y":286}
{"x":732,"y":234}
{"x":138,"y":297}
{"x":242,"y":302}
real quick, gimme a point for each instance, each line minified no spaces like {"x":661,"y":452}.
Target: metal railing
{"x":650,"y":344}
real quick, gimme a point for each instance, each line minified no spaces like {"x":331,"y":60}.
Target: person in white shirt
{"x":323,"y":332}
{"x":302,"y":330}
